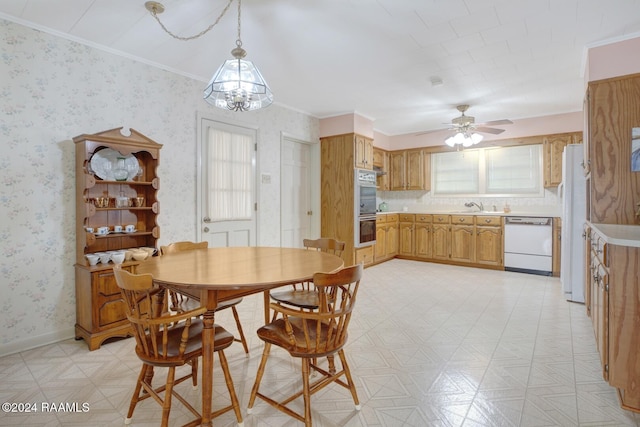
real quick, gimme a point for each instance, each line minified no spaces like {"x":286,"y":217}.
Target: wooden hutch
{"x":100,"y":312}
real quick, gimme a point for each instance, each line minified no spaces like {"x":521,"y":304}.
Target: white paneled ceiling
{"x":507,"y":59}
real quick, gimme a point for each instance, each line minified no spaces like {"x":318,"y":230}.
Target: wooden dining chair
{"x":168,"y":340}
{"x":183,"y":302}
{"x":309,"y":335}
{"x":304,"y":295}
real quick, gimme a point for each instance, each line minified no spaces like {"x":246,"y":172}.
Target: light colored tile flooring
{"x":429,"y":345}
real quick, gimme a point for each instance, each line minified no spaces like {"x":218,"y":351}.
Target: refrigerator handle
{"x":561,"y":189}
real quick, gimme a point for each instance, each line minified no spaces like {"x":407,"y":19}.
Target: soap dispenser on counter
{"x":383,"y":207}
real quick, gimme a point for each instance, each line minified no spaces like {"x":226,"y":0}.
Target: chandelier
{"x":237,"y":85}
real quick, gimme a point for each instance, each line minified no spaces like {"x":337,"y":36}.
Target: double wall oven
{"x":365,"y":207}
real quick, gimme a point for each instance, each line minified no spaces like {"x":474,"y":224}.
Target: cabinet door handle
{"x":206,"y":229}
{"x":206,"y":219}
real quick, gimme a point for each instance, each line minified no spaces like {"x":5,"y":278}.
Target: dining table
{"x":214,"y":275}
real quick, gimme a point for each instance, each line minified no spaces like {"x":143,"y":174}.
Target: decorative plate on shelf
{"x":103,"y":163}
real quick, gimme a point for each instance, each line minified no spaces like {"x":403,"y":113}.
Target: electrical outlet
{"x":266,"y":178}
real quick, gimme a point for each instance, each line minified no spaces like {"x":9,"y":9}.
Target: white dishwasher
{"x":528,"y":245}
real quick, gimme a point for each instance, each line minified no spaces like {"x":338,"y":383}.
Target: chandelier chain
{"x":203,"y":32}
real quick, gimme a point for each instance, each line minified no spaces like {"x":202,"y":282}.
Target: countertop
{"x":619,"y":234}
{"x":476,"y":212}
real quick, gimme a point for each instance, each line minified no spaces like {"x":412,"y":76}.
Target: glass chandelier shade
{"x":238,"y":85}
{"x":466,"y":139}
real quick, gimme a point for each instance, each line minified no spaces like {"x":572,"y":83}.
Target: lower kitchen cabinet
{"x":440,"y":237}
{"x":386,"y":246}
{"x":462,"y":238}
{"x":613,"y":280}
{"x":406,"y":246}
{"x":423,"y":236}
{"x":364,"y":255}
{"x":489,"y":241}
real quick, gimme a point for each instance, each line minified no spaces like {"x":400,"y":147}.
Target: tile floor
{"x":429,"y":345}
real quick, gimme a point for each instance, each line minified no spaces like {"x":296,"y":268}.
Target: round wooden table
{"x":218,"y":274}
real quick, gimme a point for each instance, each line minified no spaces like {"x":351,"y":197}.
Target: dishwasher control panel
{"x":532,"y":220}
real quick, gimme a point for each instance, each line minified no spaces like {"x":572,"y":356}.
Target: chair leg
{"x":232,"y":392}
{"x":256,"y":384}
{"x":166,"y":406}
{"x":306,"y":391}
{"x":136,"y":393}
{"x":347,"y":373}
{"x":194,"y":372}
{"x":240,"y":331}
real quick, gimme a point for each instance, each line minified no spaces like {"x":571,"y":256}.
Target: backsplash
{"x":416,"y":201}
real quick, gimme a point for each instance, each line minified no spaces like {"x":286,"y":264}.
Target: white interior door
{"x":295,"y":190}
{"x":226,"y":184}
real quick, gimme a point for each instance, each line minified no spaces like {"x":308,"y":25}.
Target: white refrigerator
{"x":573,"y":191}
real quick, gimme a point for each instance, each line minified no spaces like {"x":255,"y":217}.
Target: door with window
{"x":226,"y":184}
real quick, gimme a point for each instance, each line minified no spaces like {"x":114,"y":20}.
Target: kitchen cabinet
{"x":614,"y":189}
{"x":410,"y":170}
{"x":423,"y":235}
{"x":364,"y":255}
{"x":392,"y":235}
{"x":406,"y":229}
{"x":440,"y":237}
{"x":363,"y":152}
{"x":489,"y":241}
{"x":386,"y":246}
{"x":552,"y":147}
{"x":462,"y":238}
{"x":615,"y":310}
{"x":106,"y":200}
{"x":380,"y":248}
{"x":381,"y":164}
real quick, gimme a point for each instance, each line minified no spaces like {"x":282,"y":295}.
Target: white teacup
{"x":130,"y":228}
{"x":117,"y":228}
{"x":118,"y":258}
{"x":89,"y":229}
{"x":103,"y":230}
{"x":93,"y":258}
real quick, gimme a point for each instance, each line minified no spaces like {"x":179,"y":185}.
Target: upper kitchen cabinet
{"x":410,"y":170}
{"x":552,"y":148}
{"x":614,"y":110}
{"x":381,"y":166}
{"x":364,"y":152}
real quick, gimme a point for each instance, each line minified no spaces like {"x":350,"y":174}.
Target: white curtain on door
{"x":229,"y":172}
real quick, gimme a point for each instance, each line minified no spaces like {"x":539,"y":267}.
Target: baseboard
{"x":36,"y":341}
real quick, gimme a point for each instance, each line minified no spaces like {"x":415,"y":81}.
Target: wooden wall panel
{"x":614,"y":108}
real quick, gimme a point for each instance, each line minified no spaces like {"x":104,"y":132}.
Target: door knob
{"x":206,"y":229}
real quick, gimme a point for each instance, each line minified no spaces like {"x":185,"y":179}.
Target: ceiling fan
{"x":466,"y":124}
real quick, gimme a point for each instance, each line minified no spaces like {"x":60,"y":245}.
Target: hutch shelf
{"x":103,"y":201}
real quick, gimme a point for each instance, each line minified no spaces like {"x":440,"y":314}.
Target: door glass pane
{"x":229,"y":172}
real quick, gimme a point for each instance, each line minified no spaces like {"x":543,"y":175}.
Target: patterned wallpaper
{"x":53,"y":89}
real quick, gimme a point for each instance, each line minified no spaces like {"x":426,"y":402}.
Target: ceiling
{"x":508,"y":59}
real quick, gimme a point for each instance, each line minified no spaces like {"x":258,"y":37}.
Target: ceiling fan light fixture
{"x":466,"y":139}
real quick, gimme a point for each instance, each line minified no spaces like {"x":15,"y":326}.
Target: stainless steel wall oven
{"x":365,"y":208}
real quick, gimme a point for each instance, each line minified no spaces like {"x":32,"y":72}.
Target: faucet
{"x":471,"y":204}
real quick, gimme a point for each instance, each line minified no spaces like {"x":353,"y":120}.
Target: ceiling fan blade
{"x":497,"y":122}
{"x":493,"y":131}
